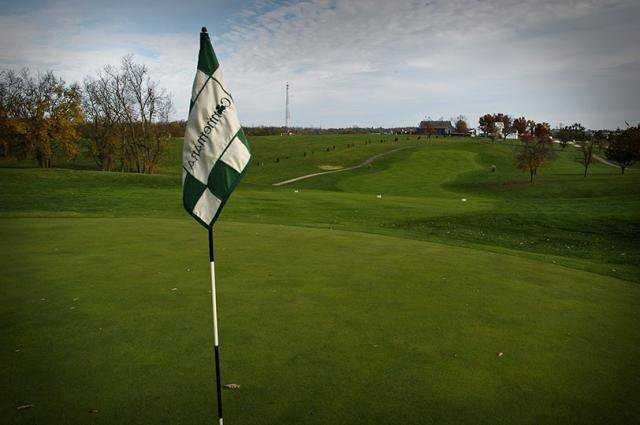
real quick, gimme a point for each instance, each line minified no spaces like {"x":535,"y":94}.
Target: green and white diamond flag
{"x":216,"y":152}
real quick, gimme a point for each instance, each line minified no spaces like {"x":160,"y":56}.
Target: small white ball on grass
{"x":232,"y":386}
{"x":464,"y":199}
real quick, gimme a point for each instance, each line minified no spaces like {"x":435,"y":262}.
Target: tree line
{"x":620,"y":147}
{"x":119,"y":117}
{"x":120,"y":113}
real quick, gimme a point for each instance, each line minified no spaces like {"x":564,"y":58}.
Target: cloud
{"x":368,"y":62}
{"x":438,"y":58}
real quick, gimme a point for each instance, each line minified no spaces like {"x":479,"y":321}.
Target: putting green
{"x":317,"y":326}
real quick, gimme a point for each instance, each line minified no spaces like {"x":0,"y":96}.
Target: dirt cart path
{"x":366,"y":162}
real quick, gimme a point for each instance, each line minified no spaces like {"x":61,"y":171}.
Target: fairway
{"x":520,"y":304}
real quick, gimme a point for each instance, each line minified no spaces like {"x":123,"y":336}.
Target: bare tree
{"x":103,"y":121}
{"x":586,"y":148}
{"x":12,"y":113}
{"x":129,"y":116}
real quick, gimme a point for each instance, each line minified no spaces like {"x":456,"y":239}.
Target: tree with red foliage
{"x":488,"y":125}
{"x":536,"y":149}
{"x":523,"y":126}
{"x":507,"y":124}
{"x":624,"y":148}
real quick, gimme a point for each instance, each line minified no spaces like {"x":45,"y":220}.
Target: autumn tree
{"x":623,"y":148}
{"x":520,"y":125}
{"x":542,"y":132}
{"x":571,"y":133}
{"x":507,"y":124}
{"x":497,"y":125}
{"x":461,"y":125}
{"x":536,"y":150}
{"x":523,"y":126}
{"x":40,"y":115}
{"x":488,"y":125}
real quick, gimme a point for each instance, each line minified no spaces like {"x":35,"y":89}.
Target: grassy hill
{"x":336,"y":305}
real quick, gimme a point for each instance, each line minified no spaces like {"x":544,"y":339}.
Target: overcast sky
{"x":364,"y":62}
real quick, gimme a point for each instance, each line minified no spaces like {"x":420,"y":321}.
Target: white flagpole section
{"x":216,"y":342}
{"x":215,"y":305}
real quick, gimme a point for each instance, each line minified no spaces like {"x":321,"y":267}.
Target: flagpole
{"x":215,"y":325}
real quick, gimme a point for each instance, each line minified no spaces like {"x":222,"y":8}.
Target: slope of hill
{"x":458,"y":295}
{"x":591,"y":223}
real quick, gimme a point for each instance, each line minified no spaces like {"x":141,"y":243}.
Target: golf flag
{"x":216,"y":152}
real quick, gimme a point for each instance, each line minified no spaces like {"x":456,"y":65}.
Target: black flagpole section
{"x":215,"y":326}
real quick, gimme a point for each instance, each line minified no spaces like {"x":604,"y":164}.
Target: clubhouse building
{"x":442,"y":128}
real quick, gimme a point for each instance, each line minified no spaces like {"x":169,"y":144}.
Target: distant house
{"x":513,"y":136}
{"x":442,"y":128}
{"x":403,"y":130}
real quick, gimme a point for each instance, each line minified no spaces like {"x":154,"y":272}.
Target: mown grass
{"x":592,"y":223}
{"x":336,"y":305}
{"x":317,"y":326}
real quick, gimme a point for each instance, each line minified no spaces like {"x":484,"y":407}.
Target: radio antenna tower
{"x":287,"y":112}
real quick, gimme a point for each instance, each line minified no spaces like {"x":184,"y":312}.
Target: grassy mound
{"x":337,"y":304}
{"x":589,"y":223}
